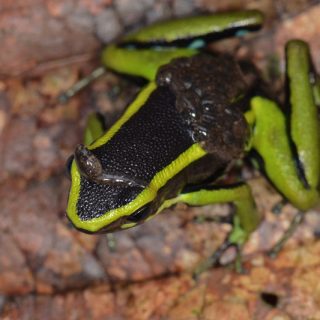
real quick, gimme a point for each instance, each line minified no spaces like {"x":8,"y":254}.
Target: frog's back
{"x":151,"y":139}
{"x":190,"y":109}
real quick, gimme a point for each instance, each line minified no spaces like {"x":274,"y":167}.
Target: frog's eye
{"x":88,"y":164}
{"x":139,"y":215}
{"x":68,"y":166}
{"x":91,"y":168}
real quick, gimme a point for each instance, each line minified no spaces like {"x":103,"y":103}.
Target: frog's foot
{"x":296,"y":221}
{"x":215,"y":259}
{"x":236,"y":238}
{"x":245,"y":218}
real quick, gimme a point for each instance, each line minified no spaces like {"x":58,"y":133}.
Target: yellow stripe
{"x":192,"y":154}
{"x":75,"y":176}
{"x":166,"y":204}
{"x":131,"y":110}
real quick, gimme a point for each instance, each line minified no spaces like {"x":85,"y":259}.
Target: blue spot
{"x":157,"y":48}
{"x":130,"y":47}
{"x":196,"y":44}
{"x":241,"y":33}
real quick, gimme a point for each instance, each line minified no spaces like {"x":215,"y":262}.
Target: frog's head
{"x":102,"y":200}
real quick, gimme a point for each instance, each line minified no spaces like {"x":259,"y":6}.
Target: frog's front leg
{"x":246,"y":217}
{"x":94,"y":128}
{"x":292,"y":162}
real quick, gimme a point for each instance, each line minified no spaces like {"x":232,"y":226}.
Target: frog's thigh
{"x":127,"y":58}
{"x":271,"y":141}
{"x":304,"y":124}
{"x":143,"y":62}
{"x":246,"y":215}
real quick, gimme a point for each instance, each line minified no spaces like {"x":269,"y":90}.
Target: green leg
{"x":272,"y":143}
{"x":194,"y":27}
{"x":304,"y":124}
{"x":246,"y":217}
{"x":94,"y":128}
{"x":144,"y":62}
{"x":270,"y":140}
{"x":316,"y":90}
{"x":130,"y":59}
{"x":292,"y":162}
{"x":127,"y":58}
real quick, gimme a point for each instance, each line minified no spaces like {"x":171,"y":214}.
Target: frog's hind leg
{"x":290,"y":150}
{"x":141,"y":53}
{"x":304,"y":123}
{"x":246,"y":217}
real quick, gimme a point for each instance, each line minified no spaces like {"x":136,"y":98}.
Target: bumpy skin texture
{"x":196,"y":101}
{"x":149,"y":141}
{"x":209,"y":91}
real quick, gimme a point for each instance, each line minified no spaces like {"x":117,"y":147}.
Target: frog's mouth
{"x":100,"y":190}
{"x":125,"y":222}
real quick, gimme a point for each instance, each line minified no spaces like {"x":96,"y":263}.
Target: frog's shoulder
{"x":208,"y":90}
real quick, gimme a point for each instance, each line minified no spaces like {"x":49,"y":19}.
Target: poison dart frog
{"x":190,"y":123}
